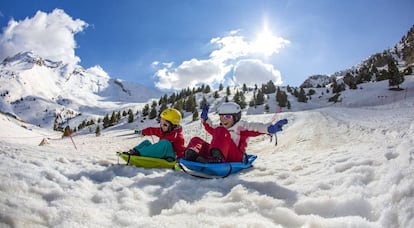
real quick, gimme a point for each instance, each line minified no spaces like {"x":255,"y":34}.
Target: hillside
{"x":344,"y":165}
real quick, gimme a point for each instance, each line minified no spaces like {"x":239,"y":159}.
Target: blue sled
{"x":215,"y":170}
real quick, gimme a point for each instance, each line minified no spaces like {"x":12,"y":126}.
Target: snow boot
{"x":216,"y":156}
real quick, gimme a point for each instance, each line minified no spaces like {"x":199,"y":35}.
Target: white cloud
{"x":97,"y":70}
{"x":50,"y":35}
{"x":189,"y":74}
{"x":253,"y":71}
{"x":229,"y":54}
{"x":155,"y":64}
{"x":230,"y":47}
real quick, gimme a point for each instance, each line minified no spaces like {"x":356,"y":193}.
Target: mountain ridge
{"x":374,"y":67}
{"x":28,"y":78}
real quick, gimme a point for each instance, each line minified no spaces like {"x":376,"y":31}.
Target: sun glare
{"x":266,"y":43}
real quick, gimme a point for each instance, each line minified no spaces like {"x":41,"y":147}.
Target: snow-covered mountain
{"x":37,"y":90}
{"x":373,"y":67}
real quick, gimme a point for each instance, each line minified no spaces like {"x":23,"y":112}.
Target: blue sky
{"x":180,"y":43}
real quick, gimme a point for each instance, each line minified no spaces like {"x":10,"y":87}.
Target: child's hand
{"x":204,"y":113}
{"x":281,"y":122}
{"x":272,"y":129}
{"x":138,"y":132}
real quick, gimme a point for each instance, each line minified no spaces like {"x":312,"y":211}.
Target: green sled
{"x":147,"y":162}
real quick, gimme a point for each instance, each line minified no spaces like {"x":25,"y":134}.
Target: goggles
{"x":226,"y":116}
{"x":164,"y":123}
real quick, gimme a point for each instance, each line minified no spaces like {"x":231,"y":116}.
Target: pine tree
{"x":236,"y":97}
{"x":112,"y":121}
{"x":242,"y":103}
{"x":106,"y":122}
{"x":396,"y":78}
{"x":195,"y":115}
{"x":281,"y":98}
{"x":163,"y":100}
{"x":251,"y":103}
{"x":350,"y":81}
{"x":98,"y":131}
{"x":244,"y":87}
{"x":288,"y":89}
{"x":145,"y":110}
{"x":172,"y":98}
{"x":162,"y":107}
{"x":240,"y":99}
{"x":302,"y":96}
{"x":216,"y":94}
{"x":190,"y":103}
{"x":207,"y":89}
{"x":153,"y":113}
{"x":260,"y":97}
{"x":179,"y":105}
{"x":269,"y":88}
{"x":130,"y":117}
{"x":118,"y":116}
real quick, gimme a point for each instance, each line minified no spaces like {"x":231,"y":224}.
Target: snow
{"x":349,"y":164}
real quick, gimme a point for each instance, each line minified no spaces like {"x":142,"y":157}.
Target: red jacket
{"x":175,"y":137}
{"x":233,"y":141}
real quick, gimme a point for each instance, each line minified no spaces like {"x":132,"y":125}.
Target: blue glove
{"x":281,"y":122}
{"x":204,"y":113}
{"x":272,"y":129}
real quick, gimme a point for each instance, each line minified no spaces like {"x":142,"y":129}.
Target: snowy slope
{"x":346,"y":165}
{"x":36,"y":90}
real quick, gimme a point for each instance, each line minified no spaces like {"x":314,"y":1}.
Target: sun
{"x":267,"y":44}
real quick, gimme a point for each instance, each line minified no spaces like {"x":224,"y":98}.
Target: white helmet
{"x":230,"y":108}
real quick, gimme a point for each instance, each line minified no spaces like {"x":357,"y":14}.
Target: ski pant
{"x":221,"y":140}
{"x":161,"y":149}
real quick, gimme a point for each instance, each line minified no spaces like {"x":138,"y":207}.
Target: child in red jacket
{"x":229,"y":139}
{"x":171,"y":143}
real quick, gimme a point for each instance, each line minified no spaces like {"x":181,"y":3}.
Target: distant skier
{"x":171,"y":143}
{"x":229,"y":139}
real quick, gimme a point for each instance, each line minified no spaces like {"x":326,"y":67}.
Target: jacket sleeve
{"x":152,"y":131}
{"x":179,"y":145}
{"x":260,"y":128}
{"x":176,"y":138}
{"x":208,"y":126}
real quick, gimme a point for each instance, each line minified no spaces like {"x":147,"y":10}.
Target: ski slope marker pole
{"x":73,"y":142}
